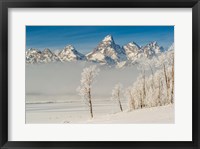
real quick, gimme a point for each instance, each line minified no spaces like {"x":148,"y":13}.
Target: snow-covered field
{"x":65,"y":109}
{"x":52,"y":97}
{"x":105,"y":111}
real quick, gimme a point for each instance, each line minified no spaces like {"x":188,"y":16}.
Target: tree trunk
{"x":144,"y":90}
{"x":172,"y":91}
{"x":166,"y":80}
{"x":159,"y":94}
{"x":120,"y":105}
{"x":90,"y":103}
{"x":132,"y":101}
{"x":152,"y":73}
{"x":141,"y":104}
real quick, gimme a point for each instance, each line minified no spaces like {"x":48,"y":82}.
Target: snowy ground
{"x":105,"y":111}
{"x":51,"y":97}
{"x":155,"y":115}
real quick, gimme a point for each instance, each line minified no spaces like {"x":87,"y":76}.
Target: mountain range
{"x":106,"y":52}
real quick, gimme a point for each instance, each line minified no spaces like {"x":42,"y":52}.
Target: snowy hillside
{"x":159,"y":115}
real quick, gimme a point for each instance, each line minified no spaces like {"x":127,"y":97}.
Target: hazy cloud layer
{"x":59,"y":78}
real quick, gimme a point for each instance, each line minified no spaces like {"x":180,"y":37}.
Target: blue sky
{"x":86,"y":38}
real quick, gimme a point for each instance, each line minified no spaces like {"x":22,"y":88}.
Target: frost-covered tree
{"x":130,"y":95}
{"x":164,"y":61}
{"x":117,"y":93}
{"x":155,"y":88}
{"x":145,"y":64}
{"x":170,"y":56}
{"x":85,"y":89}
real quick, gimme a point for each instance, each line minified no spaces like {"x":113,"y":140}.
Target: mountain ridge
{"x":106,"y":52}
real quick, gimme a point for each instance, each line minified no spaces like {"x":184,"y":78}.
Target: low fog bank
{"x":64,"y":78}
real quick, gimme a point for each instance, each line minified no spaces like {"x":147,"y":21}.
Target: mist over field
{"x":64,"y":78}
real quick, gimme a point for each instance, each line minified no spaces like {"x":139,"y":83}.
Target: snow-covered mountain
{"x":48,"y":56}
{"x":35,"y":56}
{"x":32,"y":56}
{"x":69,"y":53}
{"x":107,"y":52}
{"x":133,"y":51}
{"x":152,"y":49}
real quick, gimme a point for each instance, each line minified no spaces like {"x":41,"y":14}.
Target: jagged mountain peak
{"x":69,"y":47}
{"x":152,"y":48}
{"x":32,"y":50}
{"x":69,"y":53}
{"x":47,"y":50}
{"x":154,"y":43}
{"x":108,"y":38}
{"x":132,"y":50}
{"x":133,"y":44}
{"x":72,"y":49}
{"x":107,"y":52}
{"x":35,"y":56}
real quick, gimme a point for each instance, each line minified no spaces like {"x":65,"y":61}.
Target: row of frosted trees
{"x":149,"y":90}
{"x":156,"y":89}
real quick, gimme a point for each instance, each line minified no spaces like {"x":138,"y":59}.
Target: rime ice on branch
{"x":85,"y":89}
{"x":116,"y":94}
{"x":156,"y":89}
